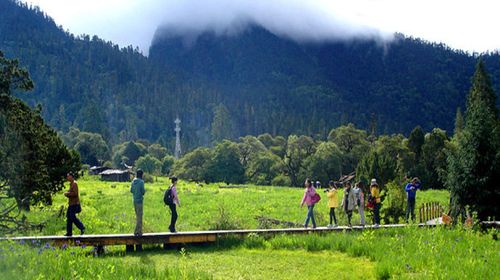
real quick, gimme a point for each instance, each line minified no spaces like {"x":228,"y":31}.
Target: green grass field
{"x":409,"y":253}
{"x":108,"y":208}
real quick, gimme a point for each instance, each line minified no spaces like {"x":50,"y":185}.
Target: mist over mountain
{"x":268,"y":82}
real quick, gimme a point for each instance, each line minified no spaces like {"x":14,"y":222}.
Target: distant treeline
{"x":268,"y":160}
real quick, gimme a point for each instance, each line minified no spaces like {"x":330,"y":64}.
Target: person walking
{"x":171,"y":198}
{"x":411,"y":193}
{"x":348,"y":202}
{"x":309,"y":198}
{"x":137,"y":189}
{"x":359,"y":192}
{"x":375,"y":194}
{"x":333,"y":202}
{"x":74,"y":206}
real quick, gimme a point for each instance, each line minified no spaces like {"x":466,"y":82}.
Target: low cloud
{"x":460,"y":24}
{"x":311,"y":21}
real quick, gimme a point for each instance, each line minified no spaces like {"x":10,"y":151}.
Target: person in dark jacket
{"x":74,"y":206}
{"x":411,"y":193}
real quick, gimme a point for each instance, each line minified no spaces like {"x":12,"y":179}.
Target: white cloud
{"x":467,"y":25}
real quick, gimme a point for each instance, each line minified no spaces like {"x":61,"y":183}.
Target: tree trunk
{"x":23,"y":204}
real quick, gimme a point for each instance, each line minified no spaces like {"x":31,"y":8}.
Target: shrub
{"x":281,"y":180}
{"x":394,"y":207}
{"x":224,"y":221}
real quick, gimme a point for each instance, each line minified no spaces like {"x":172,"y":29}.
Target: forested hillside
{"x":225,"y":87}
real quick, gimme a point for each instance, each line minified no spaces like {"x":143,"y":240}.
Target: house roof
{"x":114,"y":171}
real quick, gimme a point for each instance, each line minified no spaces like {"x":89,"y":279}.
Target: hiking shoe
{"x":82,"y":231}
{"x":68,"y":235}
{"x":329,"y":226}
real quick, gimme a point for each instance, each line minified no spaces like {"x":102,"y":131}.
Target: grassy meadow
{"x":409,"y":253}
{"x":108,"y":207}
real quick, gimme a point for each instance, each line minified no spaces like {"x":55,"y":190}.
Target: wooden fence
{"x":430,"y":211}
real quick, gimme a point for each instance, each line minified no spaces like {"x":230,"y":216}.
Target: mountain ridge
{"x":269,"y":84}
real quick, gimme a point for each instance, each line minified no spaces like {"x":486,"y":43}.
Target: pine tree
{"x":222,"y":126}
{"x":459,"y":121}
{"x":474,"y":163}
{"x":415,"y":141}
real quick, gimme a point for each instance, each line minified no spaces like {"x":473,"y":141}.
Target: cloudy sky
{"x":467,"y":25}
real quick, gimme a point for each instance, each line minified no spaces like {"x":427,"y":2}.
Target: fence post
{"x":420,"y":214}
{"x":427,"y":211}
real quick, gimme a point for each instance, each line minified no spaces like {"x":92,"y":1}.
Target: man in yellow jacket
{"x":333,"y":202}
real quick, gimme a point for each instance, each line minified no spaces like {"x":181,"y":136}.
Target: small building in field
{"x":96,"y":170}
{"x":115,"y":175}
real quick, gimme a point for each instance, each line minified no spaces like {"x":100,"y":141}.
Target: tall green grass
{"x":42,"y":261}
{"x":108,"y":208}
{"x":403,"y":253}
{"x":419,"y":253}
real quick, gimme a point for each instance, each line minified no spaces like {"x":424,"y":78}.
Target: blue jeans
{"x":310,"y":215}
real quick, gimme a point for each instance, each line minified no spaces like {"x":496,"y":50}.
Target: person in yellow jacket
{"x":375,"y":193}
{"x":333,"y":202}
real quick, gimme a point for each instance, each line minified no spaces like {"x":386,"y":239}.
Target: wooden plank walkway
{"x":193,"y":237}
{"x":186,"y":237}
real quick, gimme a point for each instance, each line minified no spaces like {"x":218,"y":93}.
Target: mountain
{"x":267,"y":83}
{"x":400,"y":84}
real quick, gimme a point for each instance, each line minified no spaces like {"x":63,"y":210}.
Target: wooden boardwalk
{"x":193,"y":237}
{"x":186,"y":237}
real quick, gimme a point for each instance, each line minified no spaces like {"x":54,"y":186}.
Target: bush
{"x":148,"y":178}
{"x":394,"y":204}
{"x":281,"y":180}
{"x":224,"y":221}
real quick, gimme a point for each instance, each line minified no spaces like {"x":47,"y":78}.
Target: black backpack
{"x":167,"y":197}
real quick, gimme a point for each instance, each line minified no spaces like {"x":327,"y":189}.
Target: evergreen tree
{"x":415,"y":142}
{"x":459,"y":121}
{"x":474,"y":164}
{"x":37,"y":167}
{"x":433,"y":159}
{"x":222,"y":126}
